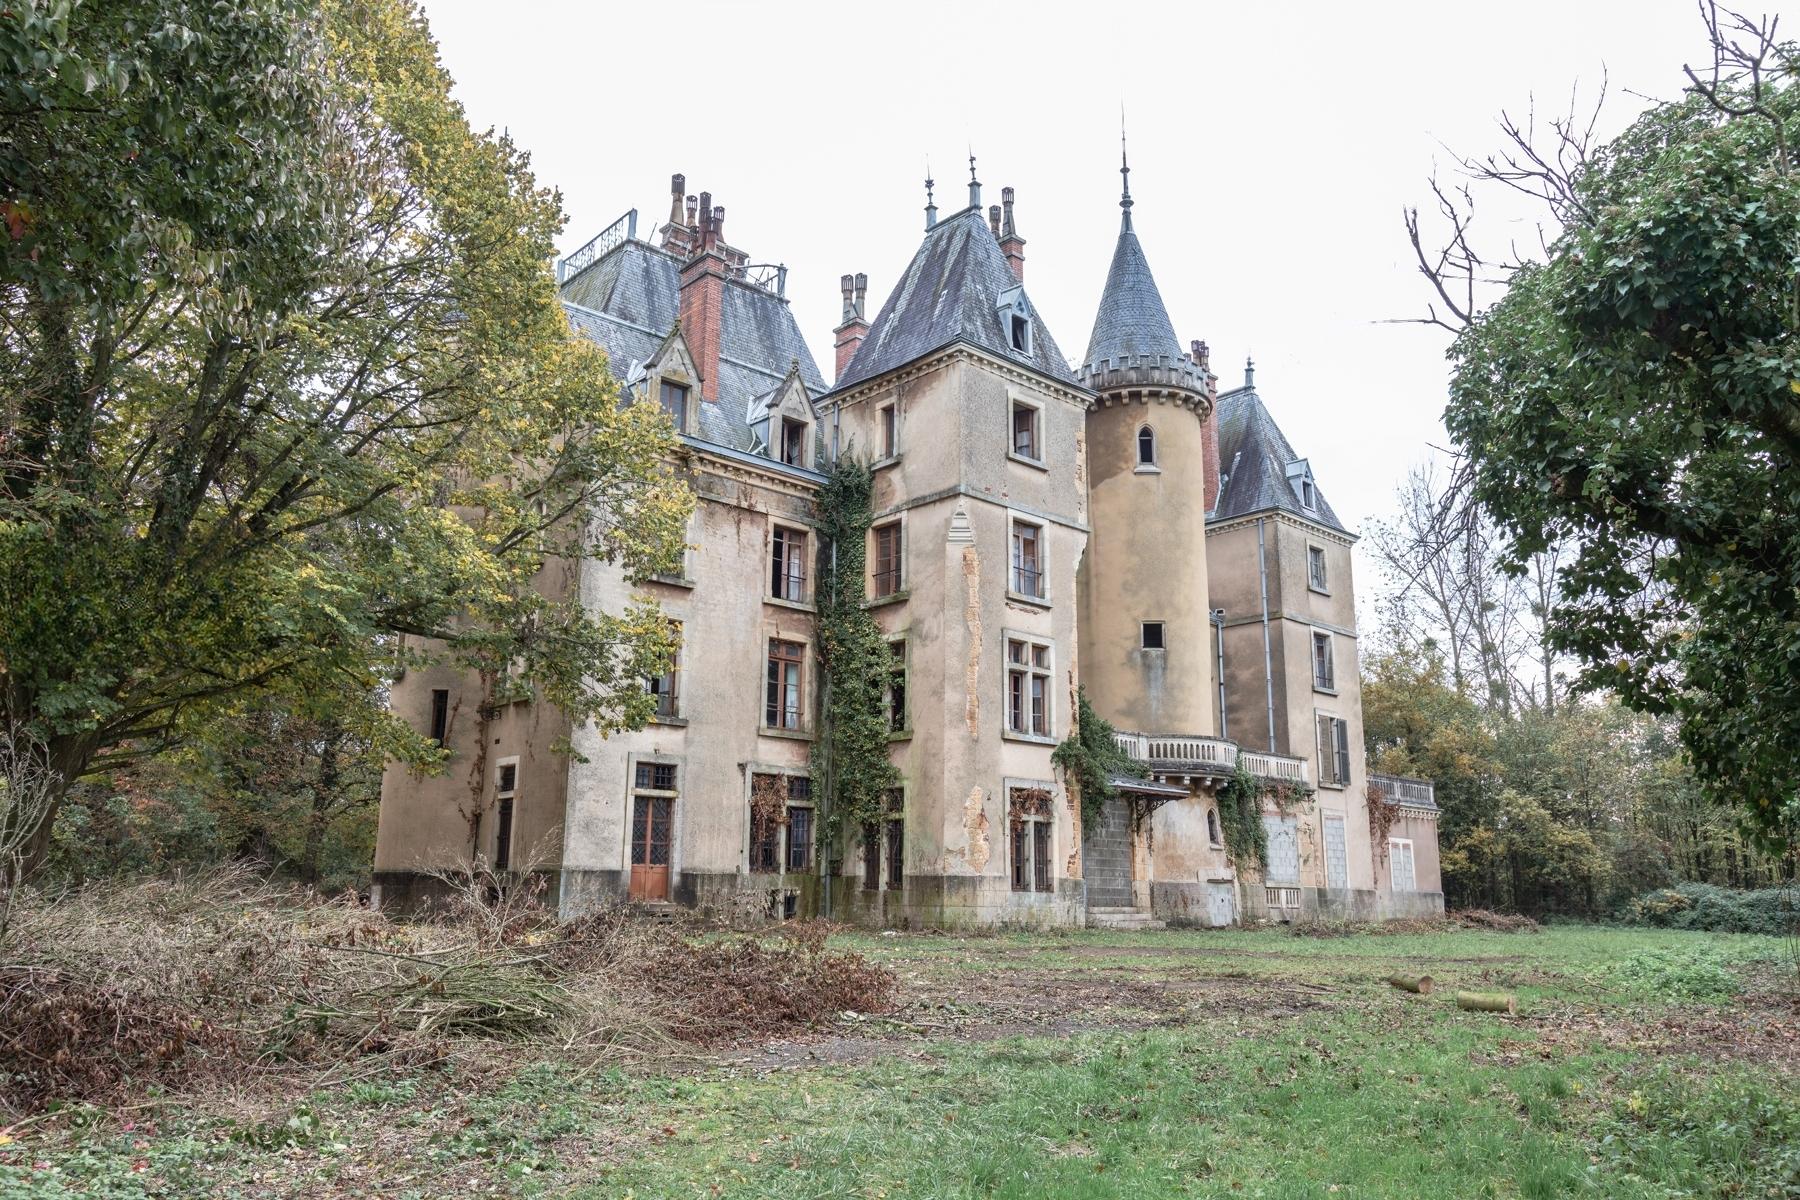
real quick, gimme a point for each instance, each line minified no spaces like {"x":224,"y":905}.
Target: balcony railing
{"x":1421,"y":793}
{"x":1209,"y":752}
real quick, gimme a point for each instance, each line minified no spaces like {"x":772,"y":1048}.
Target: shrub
{"x":1713,"y":909}
{"x":1687,"y":973}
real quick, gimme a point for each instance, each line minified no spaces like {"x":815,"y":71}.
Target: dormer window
{"x":1015,"y":318}
{"x":1300,"y":478}
{"x":674,"y":399}
{"x":1021,"y":334}
{"x":793,"y":442}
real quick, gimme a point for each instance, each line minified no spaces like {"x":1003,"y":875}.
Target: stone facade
{"x":1039,"y":527}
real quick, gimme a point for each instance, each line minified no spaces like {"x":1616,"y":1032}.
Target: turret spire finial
{"x":1249,"y":372}
{"x":1124,"y":174}
{"x":930,"y":204}
{"x":974,"y":183}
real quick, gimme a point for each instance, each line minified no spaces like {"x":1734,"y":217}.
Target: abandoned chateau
{"x":1119,"y":524}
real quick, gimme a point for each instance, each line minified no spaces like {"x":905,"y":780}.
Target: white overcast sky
{"x":1273,"y":147}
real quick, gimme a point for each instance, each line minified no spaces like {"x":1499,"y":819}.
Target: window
{"x":1021,"y":333}
{"x":1212,"y":827}
{"x":1324,"y":673}
{"x":896,"y":842}
{"x":663,"y":687}
{"x":653,"y":798}
{"x":1027,"y":687}
{"x":440,"y":714}
{"x":1152,"y":637}
{"x":799,"y":823}
{"x":1028,"y":559}
{"x":888,"y":417}
{"x":1146,"y":446}
{"x":782,"y":710}
{"x":793,"y":442}
{"x":506,"y":787}
{"x":896,"y":688}
{"x":1025,"y":431}
{"x":674,"y":399}
{"x":1337,"y":872}
{"x":887,"y":559}
{"x":1028,"y":812}
{"x":1283,"y":835}
{"x":787,"y":565}
{"x":1334,"y":751}
{"x":765,"y":840}
{"x":1401,"y":876}
{"x":1308,"y":498}
{"x":655,"y":777}
{"x":1315,"y":568}
{"x":871,"y":851}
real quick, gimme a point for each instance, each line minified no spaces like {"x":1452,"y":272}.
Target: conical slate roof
{"x":1132,"y":321}
{"x":950,"y":293}
{"x":1253,"y":459}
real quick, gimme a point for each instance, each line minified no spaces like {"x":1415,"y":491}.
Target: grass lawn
{"x":1642,"y":1063}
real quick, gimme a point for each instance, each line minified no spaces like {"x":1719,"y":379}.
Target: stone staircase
{"x":1123,"y":917}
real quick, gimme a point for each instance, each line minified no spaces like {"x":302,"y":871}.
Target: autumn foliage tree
{"x":284,"y":378}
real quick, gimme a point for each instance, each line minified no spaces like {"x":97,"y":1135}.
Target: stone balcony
{"x":1186,"y":756}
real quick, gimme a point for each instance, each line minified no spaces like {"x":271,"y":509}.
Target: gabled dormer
{"x":1014,"y":312}
{"x":1300,"y":478}
{"x":671,"y":379}
{"x":784,"y":421}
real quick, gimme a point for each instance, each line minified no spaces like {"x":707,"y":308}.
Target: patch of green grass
{"x":1367,"y":1092}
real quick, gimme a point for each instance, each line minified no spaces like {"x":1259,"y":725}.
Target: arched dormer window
{"x":1146,"y":446}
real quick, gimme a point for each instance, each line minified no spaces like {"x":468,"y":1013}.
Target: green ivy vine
{"x":850,"y":766}
{"x":1090,"y":757}
{"x":1241,"y":813}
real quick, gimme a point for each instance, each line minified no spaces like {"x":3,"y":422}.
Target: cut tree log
{"x":1488,"y":1002}
{"x":1412,"y":983}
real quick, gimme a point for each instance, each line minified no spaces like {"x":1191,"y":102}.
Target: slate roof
{"x":629,"y":300}
{"x":950,"y":293}
{"x":1132,"y":320}
{"x":1253,"y":459}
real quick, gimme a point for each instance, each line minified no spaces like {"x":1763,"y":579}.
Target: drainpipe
{"x":830,"y":788}
{"x":1262,"y":570}
{"x":1218,"y":621}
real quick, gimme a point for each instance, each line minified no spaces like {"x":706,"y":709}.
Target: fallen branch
{"x":1418,"y":984}
{"x":1488,"y":1002}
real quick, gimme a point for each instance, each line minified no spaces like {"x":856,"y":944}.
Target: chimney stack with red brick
{"x":855,"y":328}
{"x":1011,"y":244}
{"x":703,"y":297}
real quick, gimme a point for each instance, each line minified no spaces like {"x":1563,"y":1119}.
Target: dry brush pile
{"x":112,"y":990}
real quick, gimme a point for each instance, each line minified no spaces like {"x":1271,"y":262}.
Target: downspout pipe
{"x":1262,"y":570}
{"x":830,"y":789}
{"x":1218,"y":622}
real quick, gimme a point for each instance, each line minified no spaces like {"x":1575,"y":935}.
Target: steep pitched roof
{"x":949,"y":293}
{"x":629,"y":300}
{"x":1132,"y":321}
{"x":1253,"y":459}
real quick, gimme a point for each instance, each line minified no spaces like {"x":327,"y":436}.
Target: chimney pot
{"x":718,"y":224}
{"x":994,"y":218}
{"x":677,"y":184}
{"x":848,"y":285}
{"x":1006,"y":204}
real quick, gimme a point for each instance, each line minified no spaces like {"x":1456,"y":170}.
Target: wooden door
{"x":650,"y":823}
{"x":1222,"y":903}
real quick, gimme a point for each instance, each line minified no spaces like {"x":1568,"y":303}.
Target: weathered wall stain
{"x":975,"y":823}
{"x":971,"y":568}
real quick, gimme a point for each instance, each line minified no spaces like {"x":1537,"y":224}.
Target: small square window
{"x":509,"y":779}
{"x":1152,"y":635}
{"x":656,"y":777}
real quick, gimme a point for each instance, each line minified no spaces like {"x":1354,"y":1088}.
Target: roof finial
{"x":1124,"y":173}
{"x":974,"y":183}
{"x":1249,"y":373}
{"x":930,"y":204}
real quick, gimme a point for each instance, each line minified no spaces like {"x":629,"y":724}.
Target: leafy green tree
{"x":285,"y":385}
{"x":1632,"y":398}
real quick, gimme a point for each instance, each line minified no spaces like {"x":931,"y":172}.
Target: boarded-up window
{"x":1284,"y":849}
{"x":1400,"y":860}
{"x":1337,"y":867}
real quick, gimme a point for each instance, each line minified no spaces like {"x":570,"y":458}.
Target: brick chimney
{"x":703,"y":297}
{"x":1209,"y":432}
{"x":1011,"y":244}
{"x":855,"y":328}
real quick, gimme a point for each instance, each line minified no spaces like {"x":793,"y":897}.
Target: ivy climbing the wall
{"x":850,"y":764}
{"x":1090,"y":757}
{"x":1241,"y":815}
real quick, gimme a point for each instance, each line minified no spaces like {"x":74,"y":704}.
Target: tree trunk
{"x":69,"y":759}
{"x":324,"y":796}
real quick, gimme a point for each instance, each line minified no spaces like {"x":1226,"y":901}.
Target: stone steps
{"x":1122,"y":917}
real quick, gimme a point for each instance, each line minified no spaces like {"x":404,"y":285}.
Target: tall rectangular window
{"x":793,"y":442}
{"x":506,"y":789}
{"x":1028,"y":821}
{"x":800,"y":839}
{"x":674,"y":398}
{"x":1028,"y":687}
{"x":1337,"y":861}
{"x":1400,"y":872}
{"x":887,"y":559}
{"x":787,"y":565}
{"x":1334,"y":751}
{"x":664,"y":687}
{"x":896,"y":687}
{"x":890,"y":430}
{"x":782,"y":709}
{"x":896,"y":841}
{"x":1028,"y":559}
{"x":440,"y":714}
{"x":1324,"y":674}
{"x":1025,"y":428}
{"x":871,"y":852}
{"x":1315,"y":568}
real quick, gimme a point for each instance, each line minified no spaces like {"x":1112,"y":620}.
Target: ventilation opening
{"x":1152,"y":635}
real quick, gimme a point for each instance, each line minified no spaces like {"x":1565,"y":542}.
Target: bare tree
{"x":29,"y":787}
